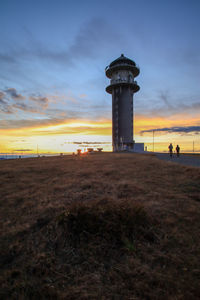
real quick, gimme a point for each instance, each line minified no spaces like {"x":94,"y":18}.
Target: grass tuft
{"x":110,"y":222}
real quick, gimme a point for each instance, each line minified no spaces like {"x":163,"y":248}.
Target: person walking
{"x":177,"y":150}
{"x":170,"y":149}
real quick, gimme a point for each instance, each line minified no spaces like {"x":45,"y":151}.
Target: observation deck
{"x":120,"y":82}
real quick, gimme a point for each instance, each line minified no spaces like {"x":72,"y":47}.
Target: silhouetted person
{"x":170,"y":149}
{"x":177,"y":150}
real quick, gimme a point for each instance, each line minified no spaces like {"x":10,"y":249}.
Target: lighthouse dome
{"x":122,"y":63}
{"x":122,"y":60}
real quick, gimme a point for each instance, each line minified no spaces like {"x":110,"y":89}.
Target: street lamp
{"x":153,"y":140}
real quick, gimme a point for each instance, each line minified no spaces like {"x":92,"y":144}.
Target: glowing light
{"x":74,"y":125}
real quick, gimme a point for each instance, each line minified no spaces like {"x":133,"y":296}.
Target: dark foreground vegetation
{"x":107,"y":226}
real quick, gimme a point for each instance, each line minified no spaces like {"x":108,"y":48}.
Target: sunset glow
{"x":66,"y":136}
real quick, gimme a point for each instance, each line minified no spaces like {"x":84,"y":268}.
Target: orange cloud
{"x":149,"y":122}
{"x":60,"y":127}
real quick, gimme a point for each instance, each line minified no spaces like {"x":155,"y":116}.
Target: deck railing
{"x":113,"y":81}
{"x":124,"y":64}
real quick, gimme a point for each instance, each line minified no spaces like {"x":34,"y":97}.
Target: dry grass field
{"x":105,"y":226}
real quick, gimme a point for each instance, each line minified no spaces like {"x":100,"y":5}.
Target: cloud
{"x":3,"y":102}
{"x":40,"y":100}
{"x":26,"y":108}
{"x":54,"y":127}
{"x":185,"y":129}
{"x":4,"y":107}
{"x":23,"y":150}
{"x":181,"y":108}
{"x":90,"y":143}
{"x":92,"y":38}
{"x":14,"y":95}
{"x":32,"y":123}
{"x":40,"y":104}
{"x":165,"y":97}
{"x":166,"y":105}
{"x":2,"y":95}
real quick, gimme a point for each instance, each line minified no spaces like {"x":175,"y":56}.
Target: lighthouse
{"x":122,"y":73}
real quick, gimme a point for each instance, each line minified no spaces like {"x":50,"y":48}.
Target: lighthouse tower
{"x":122,"y":73}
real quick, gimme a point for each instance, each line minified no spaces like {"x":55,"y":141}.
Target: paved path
{"x":183,"y":159}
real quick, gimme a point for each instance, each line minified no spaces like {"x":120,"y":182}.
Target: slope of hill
{"x":107,"y":226}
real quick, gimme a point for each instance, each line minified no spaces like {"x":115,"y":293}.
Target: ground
{"x":103,"y":226}
{"x":192,"y":160}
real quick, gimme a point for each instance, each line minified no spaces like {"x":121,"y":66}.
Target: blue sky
{"x":53,"y":55}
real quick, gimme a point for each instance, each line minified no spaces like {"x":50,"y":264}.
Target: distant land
{"x":99,"y":226}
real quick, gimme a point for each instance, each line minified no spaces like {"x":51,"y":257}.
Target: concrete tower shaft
{"x":122,"y":86}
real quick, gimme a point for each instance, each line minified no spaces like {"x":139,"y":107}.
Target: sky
{"x":53,"y":56}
